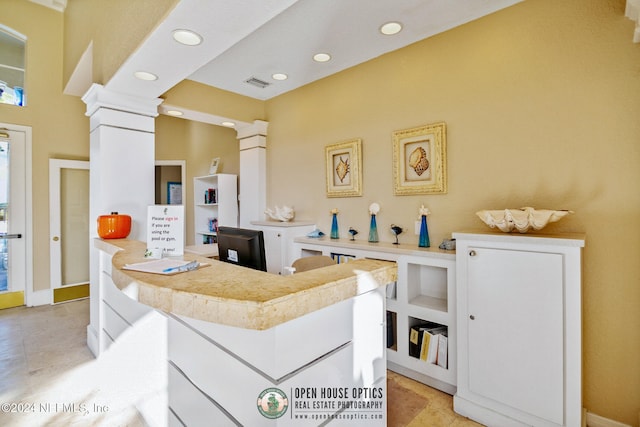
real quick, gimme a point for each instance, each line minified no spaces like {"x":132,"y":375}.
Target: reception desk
{"x":244,"y":347}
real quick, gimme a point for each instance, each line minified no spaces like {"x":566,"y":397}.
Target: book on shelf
{"x":416,"y":336}
{"x":391,"y":327}
{"x":415,"y":342}
{"x":428,"y":342}
{"x":441,"y":360}
{"x":431,"y":335}
{"x":210,"y":196}
{"x":340,"y":258}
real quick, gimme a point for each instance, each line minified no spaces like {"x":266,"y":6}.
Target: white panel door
{"x":69,"y":222}
{"x":516,"y":333}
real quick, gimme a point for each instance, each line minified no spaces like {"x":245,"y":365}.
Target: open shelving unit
{"x":424,"y":293}
{"x":210,"y":210}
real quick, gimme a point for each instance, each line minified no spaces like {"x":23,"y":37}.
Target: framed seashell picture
{"x":344,"y":168}
{"x":420,"y":160}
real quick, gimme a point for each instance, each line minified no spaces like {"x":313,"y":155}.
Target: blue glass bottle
{"x":373,"y":230}
{"x":334,"y":227}
{"x":424,"y":242}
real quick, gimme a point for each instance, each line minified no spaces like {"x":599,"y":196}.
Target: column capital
{"x":99,"y":97}
{"x":258,"y":127}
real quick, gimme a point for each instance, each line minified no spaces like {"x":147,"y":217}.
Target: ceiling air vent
{"x":257,"y":82}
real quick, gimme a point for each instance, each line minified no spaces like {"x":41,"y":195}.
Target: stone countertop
{"x":238,"y":296}
{"x":565,"y":239}
{"x":386,"y":247}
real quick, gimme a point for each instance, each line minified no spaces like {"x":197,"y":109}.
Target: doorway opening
{"x":15,"y":216}
{"x":170,"y":182}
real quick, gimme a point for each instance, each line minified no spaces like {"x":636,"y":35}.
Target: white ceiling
{"x":256,"y":38}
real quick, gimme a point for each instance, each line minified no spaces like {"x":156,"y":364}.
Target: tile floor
{"x":48,"y":374}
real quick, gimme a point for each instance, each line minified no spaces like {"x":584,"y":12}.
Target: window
{"x":12,"y":67}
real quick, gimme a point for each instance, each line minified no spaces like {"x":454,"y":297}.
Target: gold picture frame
{"x":420,"y":160}
{"x":344,"y":168}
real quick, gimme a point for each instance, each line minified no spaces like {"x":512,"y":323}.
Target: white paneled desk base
{"x":326,"y":365}
{"x":217,"y":373}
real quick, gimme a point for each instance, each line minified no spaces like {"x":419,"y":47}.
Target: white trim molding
{"x":632,"y":11}
{"x":594,"y":420}
{"x":41,"y":297}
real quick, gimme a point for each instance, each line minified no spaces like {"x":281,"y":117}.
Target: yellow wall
{"x":206,"y":99}
{"x":60,"y":129}
{"x":197,"y":144}
{"x":116,"y":27}
{"x":542,"y":106}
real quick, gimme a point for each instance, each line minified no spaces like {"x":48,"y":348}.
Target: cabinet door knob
{"x":472,"y":253}
{"x":472,"y":317}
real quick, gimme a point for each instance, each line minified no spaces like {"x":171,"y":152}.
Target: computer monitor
{"x":242,"y":247}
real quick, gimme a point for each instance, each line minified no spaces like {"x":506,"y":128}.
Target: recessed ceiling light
{"x":228,"y":124}
{"x":391,"y":28}
{"x":174,"y":113}
{"x":143,"y":75}
{"x":321,"y":57}
{"x":279,"y":76}
{"x":187,"y":37}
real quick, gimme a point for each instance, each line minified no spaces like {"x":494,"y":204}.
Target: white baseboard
{"x":594,"y":420}
{"x":43,"y":297}
{"x":92,"y":341}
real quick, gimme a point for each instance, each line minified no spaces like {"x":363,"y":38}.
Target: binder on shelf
{"x":442,"y":351}
{"x":428,"y":342}
{"x":429,"y":347}
{"x":391,"y":327}
{"x":431,"y":335}
{"x":415,"y":341}
{"x":416,"y":335}
{"x":340,"y":258}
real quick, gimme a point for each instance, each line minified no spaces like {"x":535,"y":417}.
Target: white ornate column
{"x":122,"y":170}
{"x":253,"y":172}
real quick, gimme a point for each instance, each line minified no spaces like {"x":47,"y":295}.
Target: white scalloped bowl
{"x":521,"y":220}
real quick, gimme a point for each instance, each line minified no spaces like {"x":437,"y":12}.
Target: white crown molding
{"x":258,"y":127}
{"x":632,"y":11}
{"x":198,"y":116}
{"x":100,"y":97}
{"x":58,"y":5}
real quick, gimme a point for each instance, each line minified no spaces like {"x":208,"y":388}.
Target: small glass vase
{"x":335,"y":234}
{"x":373,"y":230}
{"x":424,"y":242}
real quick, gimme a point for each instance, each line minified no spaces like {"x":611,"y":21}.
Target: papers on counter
{"x":164,"y":266}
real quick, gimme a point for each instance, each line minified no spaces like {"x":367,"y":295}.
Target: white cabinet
{"x":215,"y":204}
{"x":278,"y":241}
{"x":519,"y":326}
{"x":425,"y":293}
